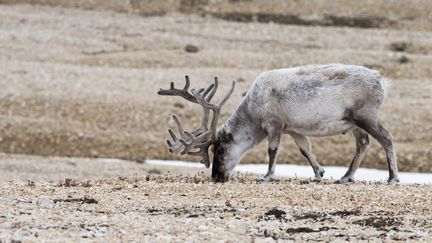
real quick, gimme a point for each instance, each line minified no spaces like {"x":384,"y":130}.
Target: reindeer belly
{"x":321,"y":129}
{"x":316,"y":119}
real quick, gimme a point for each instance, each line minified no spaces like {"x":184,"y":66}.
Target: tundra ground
{"x":71,"y":199}
{"x":83,"y":83}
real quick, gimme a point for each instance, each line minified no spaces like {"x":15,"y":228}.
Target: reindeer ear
{"x":206,"y":163}
{"x":206,"y":158}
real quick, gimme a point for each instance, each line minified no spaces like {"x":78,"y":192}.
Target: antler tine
{"x":187,"y":80}
{"x":172,"y":91}
{"x":207,"y":91}
{"x":208,"y":94}
{"x":195,"y":142}
{"x":216,"y":112}
{"x":175,"y":145}
{"x":173,"y":136}
{"x":189,"y":142}
{"x":178,"y":125}
{"x":214,"y":90}
{"x":215,"y":108}
{"x":184,"y":136}
{"x":227,"y":96}
{"x":202,"y":101}
{"x":202,"y":143}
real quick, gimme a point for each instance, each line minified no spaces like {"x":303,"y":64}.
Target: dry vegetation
{"x":93,"y":200}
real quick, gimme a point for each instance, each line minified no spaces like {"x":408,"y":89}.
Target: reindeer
{"x":312,"y":100}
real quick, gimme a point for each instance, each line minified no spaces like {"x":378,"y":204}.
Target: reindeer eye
{"x":220,"y":151}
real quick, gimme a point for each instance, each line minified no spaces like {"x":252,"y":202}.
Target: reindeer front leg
{"x":274,"y":137}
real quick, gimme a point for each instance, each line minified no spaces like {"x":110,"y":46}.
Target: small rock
{"x":179,"y":105}
{"x":403,"y":59}
{"x":191,"y":49}
{"x":399,"y":46}
{"x":228,"y":203}
{"x":277,"y":213}
{"x":155,"y":171}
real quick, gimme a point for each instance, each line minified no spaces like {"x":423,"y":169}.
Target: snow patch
{"x":301,"y":171}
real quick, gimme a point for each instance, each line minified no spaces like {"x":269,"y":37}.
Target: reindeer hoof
{"x":393,"y":181}
{"x":319,"y":173}
{"x":267,"y":178}
{"x":344,"y":180}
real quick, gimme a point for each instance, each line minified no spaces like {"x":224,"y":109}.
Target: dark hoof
{"x":218,"y":179}
{"x":344,"y":181}
{"x":267,"y":179}
{"x":393,"y":181}
{"x":322,"y":173}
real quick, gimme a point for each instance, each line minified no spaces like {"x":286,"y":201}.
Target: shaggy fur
{"x":313,"y":100}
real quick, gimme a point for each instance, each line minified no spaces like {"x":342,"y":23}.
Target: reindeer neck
{"x":243,"y":127}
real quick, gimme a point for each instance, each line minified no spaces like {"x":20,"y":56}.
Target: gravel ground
{"x":107,"y":200}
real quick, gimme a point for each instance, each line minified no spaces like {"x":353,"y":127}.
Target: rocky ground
{"x":70,"y":199}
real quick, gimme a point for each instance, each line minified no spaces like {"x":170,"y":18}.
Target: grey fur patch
{"x":337,"y":74}
{"x":304,"y":153}
{"x":278,"y":94}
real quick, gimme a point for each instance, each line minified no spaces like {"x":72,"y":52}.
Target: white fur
{"x":313,"y":100}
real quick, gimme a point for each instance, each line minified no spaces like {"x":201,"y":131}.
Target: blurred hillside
{"x":413,"y":15}
{"x":82,"y":81}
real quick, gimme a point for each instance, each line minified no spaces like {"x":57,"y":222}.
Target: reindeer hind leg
{"x":369,"y":122}
{"x":362,"y":144}
{"x":306,"y":149}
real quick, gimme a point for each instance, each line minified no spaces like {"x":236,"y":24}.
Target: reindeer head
{"x":198,"y":142}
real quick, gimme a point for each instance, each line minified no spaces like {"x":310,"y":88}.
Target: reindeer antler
{"x":172,"y":91}
{"x":215,"y":108}
{"x":196,"y":143}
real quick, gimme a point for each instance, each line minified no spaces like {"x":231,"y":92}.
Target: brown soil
{"x":83,"y":83}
